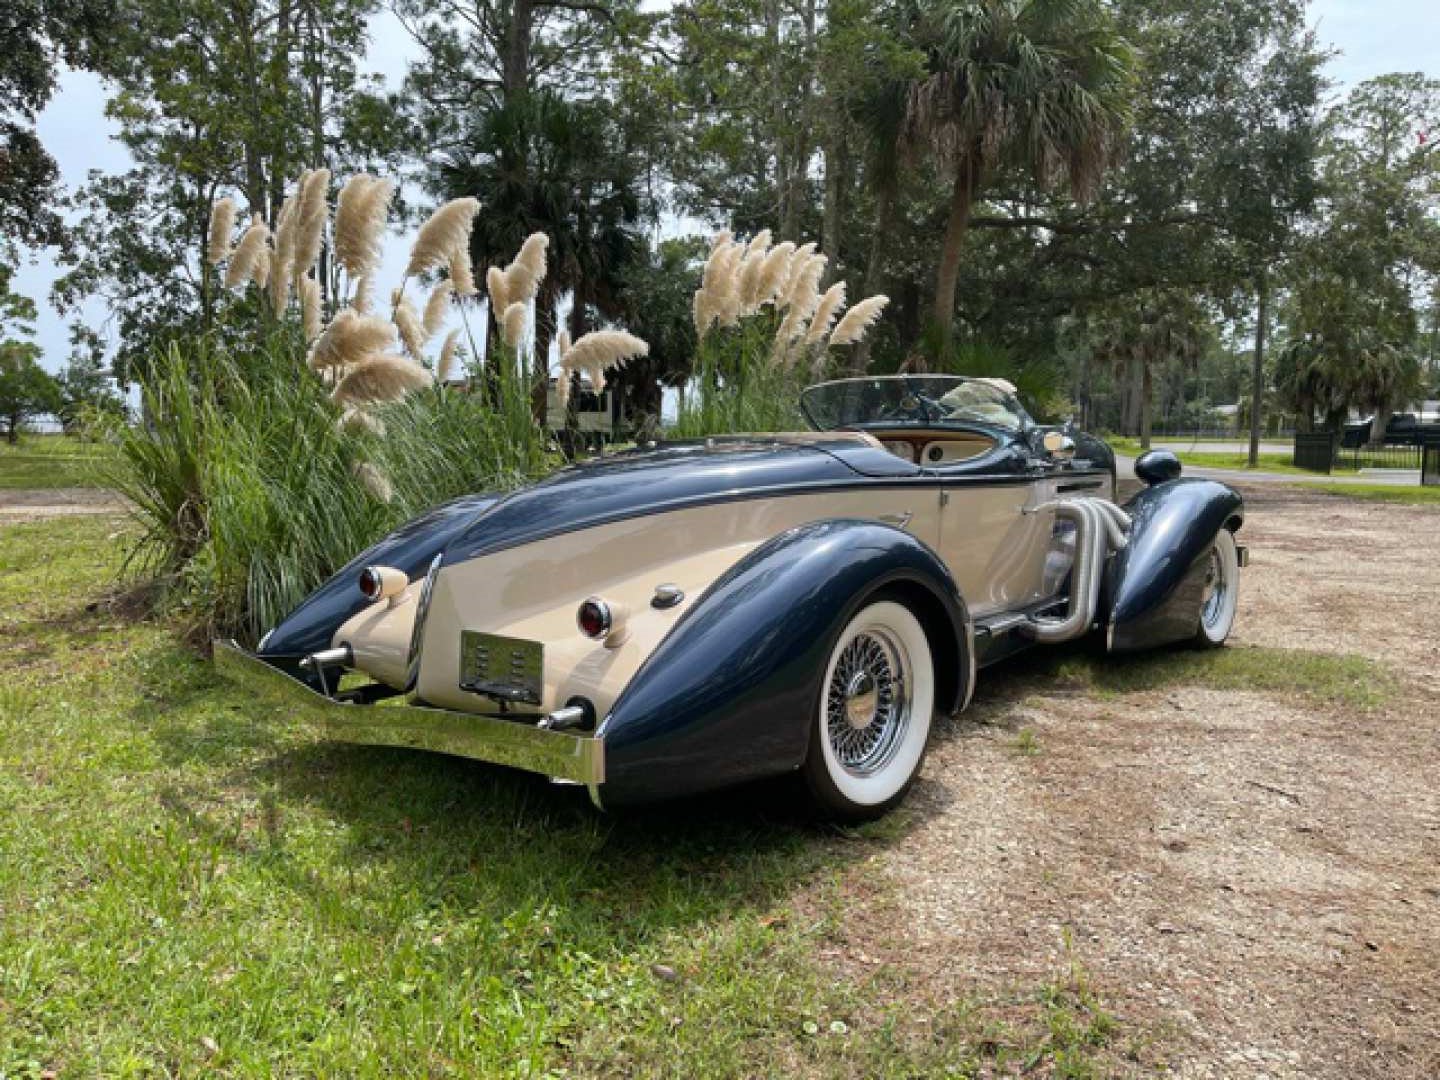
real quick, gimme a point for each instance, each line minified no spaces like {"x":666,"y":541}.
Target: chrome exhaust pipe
{"x":1099,"y":528}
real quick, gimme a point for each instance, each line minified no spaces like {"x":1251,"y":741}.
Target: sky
{"x":1370,"y":37}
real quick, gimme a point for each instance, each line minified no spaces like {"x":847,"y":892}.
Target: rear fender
{"x":729,"y":695}
{"x":1155,"y":584}
{"x":411,"y":548}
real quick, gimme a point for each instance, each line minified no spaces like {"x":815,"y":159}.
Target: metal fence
{"x":1430,"y":463}
{"x":1378,"y":457}
{"x":1321,"y":452}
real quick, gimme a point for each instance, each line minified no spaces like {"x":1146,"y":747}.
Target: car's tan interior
{"x":935,"y":448}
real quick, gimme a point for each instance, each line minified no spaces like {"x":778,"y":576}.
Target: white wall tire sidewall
{"x":884,"y":784}
{"x":1216,"y":633}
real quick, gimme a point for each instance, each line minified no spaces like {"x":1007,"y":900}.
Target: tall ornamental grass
{"x":259,"y":469}
{"x":765,"y":330}
{"x":250,"y":491}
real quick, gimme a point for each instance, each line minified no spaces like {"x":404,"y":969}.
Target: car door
{"x":992,"y":535}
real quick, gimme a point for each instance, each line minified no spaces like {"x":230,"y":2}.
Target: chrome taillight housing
{"x":594,"y":618}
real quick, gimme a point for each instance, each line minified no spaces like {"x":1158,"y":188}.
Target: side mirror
{"x":1058,"y":446}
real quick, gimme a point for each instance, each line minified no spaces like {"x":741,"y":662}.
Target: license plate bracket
{"x":505,"y":669}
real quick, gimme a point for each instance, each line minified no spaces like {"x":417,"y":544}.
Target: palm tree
{"x":1145,"y":330}
{"x":543,"y":164}
{"x":1042,"y":85}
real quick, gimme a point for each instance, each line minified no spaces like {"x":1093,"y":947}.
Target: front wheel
{"x":872,"y":722}
{"x":1222,"y":591}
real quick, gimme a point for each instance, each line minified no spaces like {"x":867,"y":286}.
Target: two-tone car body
{"x":695,"y":615}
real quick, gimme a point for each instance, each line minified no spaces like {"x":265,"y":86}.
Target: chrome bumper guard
{"x":560,"y":755}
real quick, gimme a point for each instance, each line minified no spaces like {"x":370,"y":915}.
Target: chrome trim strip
{"x":557,"y":754}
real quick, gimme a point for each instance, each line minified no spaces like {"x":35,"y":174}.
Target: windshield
{"x":911,"y":400}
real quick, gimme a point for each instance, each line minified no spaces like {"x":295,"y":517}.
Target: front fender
{"x":1155,"y":584}
{"x":730,"y":694}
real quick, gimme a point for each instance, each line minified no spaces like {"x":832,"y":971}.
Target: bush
{"x":250,"y":494}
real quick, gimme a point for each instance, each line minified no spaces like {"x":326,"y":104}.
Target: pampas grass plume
{"x":512,"y":323}
{"x":364,"y":294}
{"x":444,"y":233}
{"x":858,"y":319}
{"x":498,"y":289}
{"x":603,"y":349}
{"x":437,"y":307}
{"x":532,"y":258}
{"x":759,"y":243}
{"x":248,"y":254}
{"x":772,"y":272}
{"x":380,"y":378}
{"x":311,"y":215}
{"x":804,"y":291}
{"x":310,"y":307}
{"x":349,"y":339}
{"x":831,"y":304}
{"x":358,"y":421}
{"x":445,"y":369}
{"x":360,"y":214}
{"x":373,"y":480}
{"x":412,"y":330}
{"x":462,"y":272}
{"x":222,"y":224}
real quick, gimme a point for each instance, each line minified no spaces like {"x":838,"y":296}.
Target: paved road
{"x":1202,"y":447}
{"x":1395,"y":477}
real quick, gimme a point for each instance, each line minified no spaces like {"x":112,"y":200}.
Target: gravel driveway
{"x":1251,"y":880}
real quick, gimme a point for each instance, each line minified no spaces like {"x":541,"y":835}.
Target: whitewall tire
{"x":871,"y":725}
{"x":1221,"y":592}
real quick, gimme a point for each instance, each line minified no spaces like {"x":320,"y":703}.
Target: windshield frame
{"x":940,"y":421}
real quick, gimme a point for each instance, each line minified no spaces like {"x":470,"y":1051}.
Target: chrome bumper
{"x":557,"y":754}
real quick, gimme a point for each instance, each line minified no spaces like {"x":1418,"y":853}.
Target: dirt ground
{"x":1252,"y":883}
{"x":41,"y":504}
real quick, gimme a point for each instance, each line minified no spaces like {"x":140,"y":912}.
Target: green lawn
{"x":53,"y":461}
{"x":1279,"y":463}
{"x":189,"y":886}
{"x":1386,"y":493}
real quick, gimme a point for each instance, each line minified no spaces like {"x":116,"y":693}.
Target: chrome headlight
{"x":417,"y":631}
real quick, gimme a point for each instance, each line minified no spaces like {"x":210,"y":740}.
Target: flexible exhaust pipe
{"x":1099,"y":527}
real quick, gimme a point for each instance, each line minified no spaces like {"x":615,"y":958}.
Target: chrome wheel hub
{"x":867,"y":702}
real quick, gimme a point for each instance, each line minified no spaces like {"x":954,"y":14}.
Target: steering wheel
{"x":915,"y":406}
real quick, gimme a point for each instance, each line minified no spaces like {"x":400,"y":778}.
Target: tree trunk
{"x":1146,"y":408}
{"x":962,"y":200}
{"x":875,"y":267}
{"x":1379,"y":422}
{"x":1257,"y":370}
{"x":835,"y":169}
{"x":515,"y":64}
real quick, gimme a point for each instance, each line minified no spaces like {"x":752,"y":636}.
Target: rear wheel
{"x":872,"y":722}
{"x":1222,"y":591}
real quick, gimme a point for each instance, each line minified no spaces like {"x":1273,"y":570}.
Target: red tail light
{"x":593,"y":618}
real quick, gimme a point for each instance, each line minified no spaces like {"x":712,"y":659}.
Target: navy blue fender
{"x":1154,"y":586}
{"x":410,"y":548}
{"x":730,"y":694}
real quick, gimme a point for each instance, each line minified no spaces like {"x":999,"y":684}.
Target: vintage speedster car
{"x":695,"y":615}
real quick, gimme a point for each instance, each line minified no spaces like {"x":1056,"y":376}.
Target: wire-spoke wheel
{"x":1221,"y":591}
{"x":873,"y":717}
